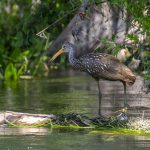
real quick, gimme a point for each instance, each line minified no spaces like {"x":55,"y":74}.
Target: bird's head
{"x":66,"y":47}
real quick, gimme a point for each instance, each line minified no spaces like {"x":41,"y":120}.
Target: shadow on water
{"x":68,"y":92}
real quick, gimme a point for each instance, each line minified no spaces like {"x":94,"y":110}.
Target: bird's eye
{"x":64,"y":46}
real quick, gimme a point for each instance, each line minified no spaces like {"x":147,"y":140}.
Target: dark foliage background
{"x":24,"y":53}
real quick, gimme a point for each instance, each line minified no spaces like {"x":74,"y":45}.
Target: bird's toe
{"x":122,"y":117}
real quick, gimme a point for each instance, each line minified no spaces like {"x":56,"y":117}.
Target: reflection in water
{"x":24,"y":131}
{"x":66,"y":92}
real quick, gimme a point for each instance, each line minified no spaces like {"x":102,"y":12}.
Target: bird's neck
{"x":72,"y":57}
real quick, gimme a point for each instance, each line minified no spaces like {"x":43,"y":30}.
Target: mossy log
{"x":16,"y":119}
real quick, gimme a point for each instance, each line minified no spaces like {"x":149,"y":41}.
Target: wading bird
{"x":99,"y":66}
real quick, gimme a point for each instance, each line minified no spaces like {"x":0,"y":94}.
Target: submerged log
{"x":10,"y":118}
{"x":18,"y":119}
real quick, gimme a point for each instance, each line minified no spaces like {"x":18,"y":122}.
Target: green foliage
{"x":111,"y":46}
{"x":147,"y":54}
{"x":140,"y":12}
{"x":147,"y":65}
{"x":133,"y":37}
{"x":16,"y":65}
{"x":21,"y":51}
{"x":10,"y":72}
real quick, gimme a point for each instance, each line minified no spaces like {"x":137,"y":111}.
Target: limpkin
{"x":99,"y":66}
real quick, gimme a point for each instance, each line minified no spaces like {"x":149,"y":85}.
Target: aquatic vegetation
{"x":132,"y":126}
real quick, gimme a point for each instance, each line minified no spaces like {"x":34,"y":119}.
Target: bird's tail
{"x":129,"y":77}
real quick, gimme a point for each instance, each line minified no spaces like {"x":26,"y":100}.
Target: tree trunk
{"x":91,"y":25}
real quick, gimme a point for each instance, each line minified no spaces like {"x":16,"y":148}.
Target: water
{"x":45,"y":139}
{"x":67,"y":92}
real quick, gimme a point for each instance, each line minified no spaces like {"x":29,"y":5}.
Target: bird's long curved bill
{"x":61,"y":51}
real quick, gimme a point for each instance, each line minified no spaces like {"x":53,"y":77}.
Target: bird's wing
{"x":99,"y":61}
{"x":100,"y":65}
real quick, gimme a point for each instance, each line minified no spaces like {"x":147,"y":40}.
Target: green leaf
{"x":147,"y":77}
{"x":116,"y":50}
{"x":133,"y":37}
{"x":147,"y":54}
{"x":146,"y":63}
{"x":22,"y":69}
{"x":1,"y":76}
{"x":16,"y":54}
{"x":10,"y":72}
{"x":26,"y":53}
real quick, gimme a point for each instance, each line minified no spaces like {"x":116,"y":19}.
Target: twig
{"x":42,"y":34}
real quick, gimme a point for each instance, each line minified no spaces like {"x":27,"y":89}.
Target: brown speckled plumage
{"x":104,"y":66}
{"x":101,"y":66}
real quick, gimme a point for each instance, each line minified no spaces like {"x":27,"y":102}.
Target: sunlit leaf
{"x":26,"y":53}
{"x":10,"y":72}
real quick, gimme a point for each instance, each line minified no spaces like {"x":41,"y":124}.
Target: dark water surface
{"x":68,"y":92}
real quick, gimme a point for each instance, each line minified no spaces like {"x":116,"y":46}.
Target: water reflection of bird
{"x":99,"y":66}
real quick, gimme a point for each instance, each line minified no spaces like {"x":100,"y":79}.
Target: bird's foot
{"x":122,"y":117}
{"x":126,"y":107}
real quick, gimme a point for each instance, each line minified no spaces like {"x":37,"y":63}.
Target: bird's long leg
{"x":100,"y":96}
{"x":125,"y":94}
